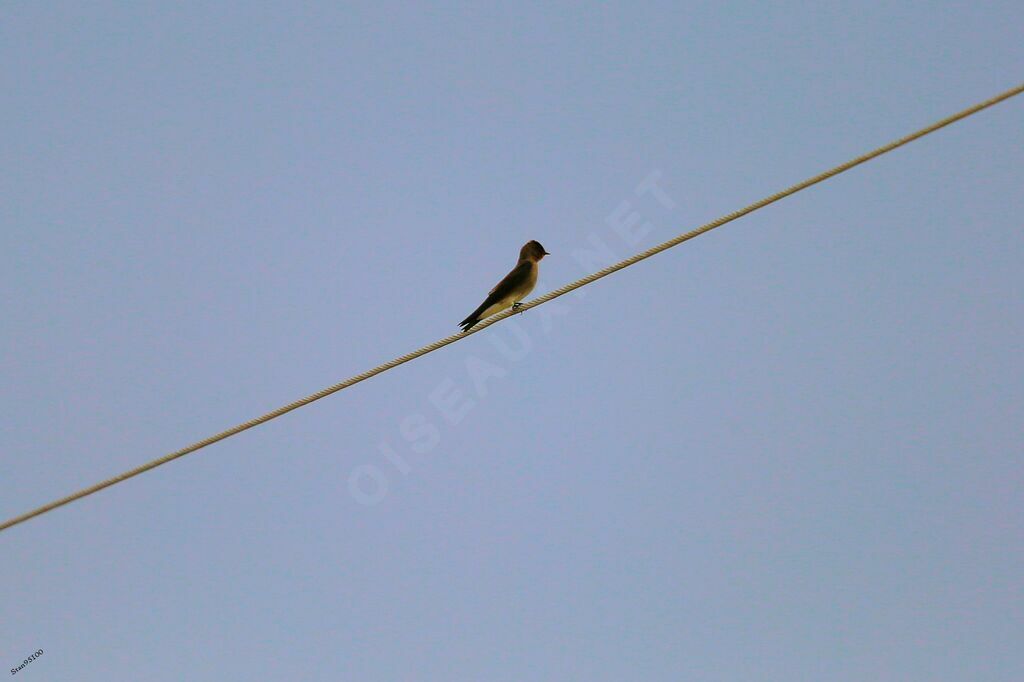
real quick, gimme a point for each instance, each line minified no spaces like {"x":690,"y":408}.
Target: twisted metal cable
{"x":430,"y":348}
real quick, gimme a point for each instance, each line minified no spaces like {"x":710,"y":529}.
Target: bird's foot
{"x":517,"y":305}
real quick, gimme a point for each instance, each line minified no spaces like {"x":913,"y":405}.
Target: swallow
{"x":516,"y":286}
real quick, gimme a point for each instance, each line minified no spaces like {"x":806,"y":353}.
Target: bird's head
{"x":533,"y":251}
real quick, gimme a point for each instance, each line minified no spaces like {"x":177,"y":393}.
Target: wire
{"x":430,"y":348}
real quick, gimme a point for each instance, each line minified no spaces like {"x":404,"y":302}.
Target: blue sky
{"x":789,"y":449}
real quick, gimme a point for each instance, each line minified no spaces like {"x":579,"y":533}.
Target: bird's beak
{"x":546,"y":253}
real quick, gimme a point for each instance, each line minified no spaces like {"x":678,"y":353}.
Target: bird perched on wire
{"x":510,"y":291}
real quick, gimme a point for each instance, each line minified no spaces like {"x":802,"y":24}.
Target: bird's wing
{"x":507,"y":285}
{"x":503,"y":289}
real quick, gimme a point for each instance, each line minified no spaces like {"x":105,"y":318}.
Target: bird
{"x":516,"y":286}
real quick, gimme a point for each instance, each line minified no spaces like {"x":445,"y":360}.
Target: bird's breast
{"x":523,"y":289}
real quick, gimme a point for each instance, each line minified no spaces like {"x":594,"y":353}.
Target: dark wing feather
{"x":505,"y":286}
{"x":500,"y":291}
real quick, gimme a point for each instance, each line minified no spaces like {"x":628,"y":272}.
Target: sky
{"x":789,"y":449}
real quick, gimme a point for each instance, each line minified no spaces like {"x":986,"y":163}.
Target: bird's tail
{"x":474,"y":317}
